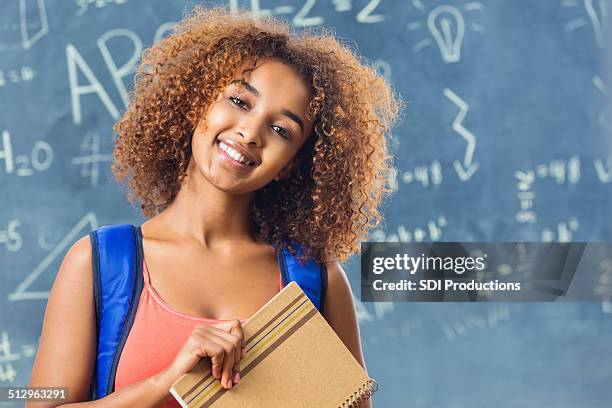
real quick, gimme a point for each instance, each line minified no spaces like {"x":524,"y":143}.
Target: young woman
{"x":240,"y":135}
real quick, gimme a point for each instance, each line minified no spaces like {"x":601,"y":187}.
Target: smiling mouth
{"x":233,"y":156}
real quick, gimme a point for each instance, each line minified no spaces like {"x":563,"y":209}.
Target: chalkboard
{"x":505,"y":137}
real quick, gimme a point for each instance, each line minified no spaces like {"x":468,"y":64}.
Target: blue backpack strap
{"x":311,"y":277}
{"x":117,"y":271}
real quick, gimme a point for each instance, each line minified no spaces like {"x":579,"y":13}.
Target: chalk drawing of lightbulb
{"x":440,"y":22}
{"x":447,"y":26}
{"x":598,"y":21}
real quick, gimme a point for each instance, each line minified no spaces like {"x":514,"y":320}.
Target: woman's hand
{"x":222,"y":342}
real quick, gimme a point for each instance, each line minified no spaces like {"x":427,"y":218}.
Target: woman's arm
{"x":67,"y":350}
{"x":339,"y":311}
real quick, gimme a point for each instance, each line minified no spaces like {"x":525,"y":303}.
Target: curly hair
{"x":331,"y":200}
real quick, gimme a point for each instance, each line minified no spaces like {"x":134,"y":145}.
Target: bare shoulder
{"x":339,"y":309}
{"x":153,"y":225}
{"x":66,"y":352}
{"x":336,"y":276}
{"x":78,"y":258}
{"x":74,"y":278}
{"x":338,"y":295}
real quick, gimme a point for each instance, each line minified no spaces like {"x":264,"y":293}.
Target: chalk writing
{"x":39,"y":158}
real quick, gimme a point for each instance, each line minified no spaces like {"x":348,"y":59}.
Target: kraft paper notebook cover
{"x":293,"y":359}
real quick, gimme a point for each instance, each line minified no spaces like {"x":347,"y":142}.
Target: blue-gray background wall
{"x":505,"y":136}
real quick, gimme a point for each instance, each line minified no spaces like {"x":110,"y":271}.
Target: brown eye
{"x":281,"y":131}
{"x":239,"y":102}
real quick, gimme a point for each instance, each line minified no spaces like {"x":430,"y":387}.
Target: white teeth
{"x":234,"y":154}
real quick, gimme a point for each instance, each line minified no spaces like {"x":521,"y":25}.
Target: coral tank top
{"x":157,"y":334}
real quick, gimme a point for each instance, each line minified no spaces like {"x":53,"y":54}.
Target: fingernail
{"x":237,"y":378}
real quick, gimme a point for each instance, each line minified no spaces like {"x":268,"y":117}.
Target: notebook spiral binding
{"x":364,"y":393}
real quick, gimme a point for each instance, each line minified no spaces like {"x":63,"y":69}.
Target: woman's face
{"x":252,"y":132}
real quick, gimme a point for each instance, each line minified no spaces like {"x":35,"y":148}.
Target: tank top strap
{"x":145,"y":273}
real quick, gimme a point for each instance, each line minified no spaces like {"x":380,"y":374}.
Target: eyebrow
{"x":285,"y":112}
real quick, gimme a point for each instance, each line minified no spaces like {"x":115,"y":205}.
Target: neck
{"x":211,"y":216}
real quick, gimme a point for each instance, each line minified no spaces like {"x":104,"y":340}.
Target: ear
{"x":289,"y":167}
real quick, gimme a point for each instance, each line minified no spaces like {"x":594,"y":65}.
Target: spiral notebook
{"x":293,"y":359}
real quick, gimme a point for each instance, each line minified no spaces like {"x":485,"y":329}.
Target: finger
{"x":234,"y":327}
{"x":228,"y":326}
{"x":236,"y":330}
{"x":220,"y":331}
{"x":227,"y":368}
{"x":216,"y":353}
{"x":232,"y":331}
{"x":237,"y":339}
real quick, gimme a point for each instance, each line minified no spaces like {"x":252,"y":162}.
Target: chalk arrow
{"x":603,"y":117}
{"x":604,"y":175}
{"x":466,"y":169}
{"x":465,"y":173}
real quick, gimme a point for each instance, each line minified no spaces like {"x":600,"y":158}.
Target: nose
{"x":250,"y":130}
